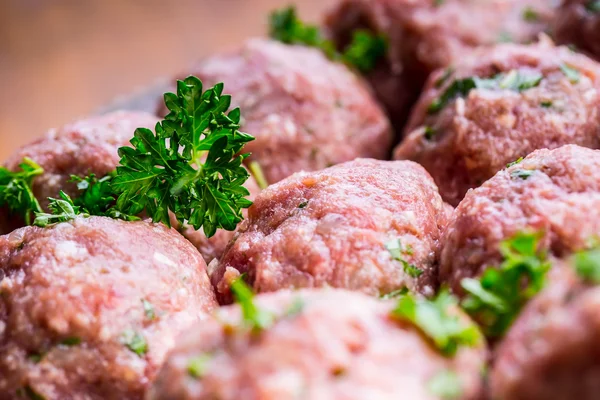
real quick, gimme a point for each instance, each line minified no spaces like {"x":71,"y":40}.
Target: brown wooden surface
{"x":63,"y":59}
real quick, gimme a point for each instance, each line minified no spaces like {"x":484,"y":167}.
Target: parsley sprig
{"x":61,"y":210}
{"x":190,"y":166}
{"x":16,"y":192}
{"x":437,"y":321}
{"x":496,"y":298}
{"x":255,"y":318}
{"x":363,"y":52}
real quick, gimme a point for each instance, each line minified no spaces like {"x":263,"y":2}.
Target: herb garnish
{"x":61,"y":210}
{"x":522,"y":173}
{"x":135,"y":342}
{"x":362,"y":53}
{"x":514,"y":80}
{"x":530,"y":15}
{"x":259,"y":176}
{"x":71,"y":341}
{"x":429,"y":132}
{"x":587,"y":265}
{"x":517,"y":161}
{"x":436,"y":320}
{"x":190,"y":167}
{"x":496,"y":298}
{"x":571,"y":73}
{"x":149,"y":310}
{"x":445,"y":384}
{"x":397,"y":251}
{"x":15,"y":189}
{"x":254,"y":317}
{"x":198,"y":366}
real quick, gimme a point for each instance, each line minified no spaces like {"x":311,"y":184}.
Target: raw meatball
{"x":327,"y":344}
{"x":366,"y":225}
{"x":476,"y":134}
{"x":552,"y":351}
{"x":89,"y":308}
{"x":578,"y":22}
{"x":425,"y":35}
{"x":306,"y":112}
{"x":556,"y":192}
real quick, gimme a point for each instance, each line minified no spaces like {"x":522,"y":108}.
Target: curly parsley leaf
{"x":255,"y":318}
{"x":16,"y":192}
{"x":435,"y":318}
{"x":61,"y":210}
{"x":190,"y":165}
{"x":514,"y":80}
{"x":496,"y":298}
{"x":362,"y":53}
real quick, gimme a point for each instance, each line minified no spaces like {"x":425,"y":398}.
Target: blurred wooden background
{"x":63,"y":59}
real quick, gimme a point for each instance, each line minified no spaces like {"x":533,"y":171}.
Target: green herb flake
{"x":61,"y":210}
{"x":295,"y":308}
{"x":303,"y":204}
{"x":429,"y":132}
{"x":149,"y":310}
{"x":445,"y":76}
{"x":16,"y":192}
{"x":363,"y":52}
{"x":530,"y":15}
{"x":197,"y":366}
{"x":505,"y":37}
{"x":71,"y":341}
{"x":438,"y":3}
{"x":254,"y":317}
{"x":522,"y":173}
{"x":546,"y":103}
{"x":435,"y":319}
{"x":587,"y":265}
{"x":593,"y":6}
{"x":258,"y":174}
{"x":445,"y":385}
{"x":35,"y":357}
{"x":135,"y":342}
{"x":394,"y":294}
{"x":571,"y":73}
{"x":394,"y":247}
{"x":517,"y":161}
{"x":496,"y":298}
{"x":514,"y":80}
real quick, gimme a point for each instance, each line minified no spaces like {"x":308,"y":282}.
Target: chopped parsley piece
{"x":504,"y":37}
{"x":135,"y":342}
{"x":522,"y":173}
{"x":530,"y":15}
{"x":71,"y":341}
{"x":517,"y":161}
{"x":438,"y":3}
{"x":149,"y":310}
{"x":394,"y":294}
{"x":303,"y":204}
{"x":593,"y":6}
{"x":255,"y":318}
{"x":436,"y":320}
{"x":445,"y":76}
{"x":587,"y":265}
{"x":571,"y":73}
{"x":363,"y":52}
{"x":397,"y":251}
{"x":496,"y":298}
{"x":258,"y":174}
{"x":35,"y":357}
{"x":429,"y":132}
{"x":546,"y":103}
{"x":514,"y":80}
{"x":295,"y":308}
{"x":61,"y":210}
{"x":16,"y":192}
{"x":445,"y":385}
{"x":197,"y":366}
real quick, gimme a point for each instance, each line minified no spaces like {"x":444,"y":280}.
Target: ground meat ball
{"x":77,"y":294}
{"x":578,"y":22}
{"x":213,"y":247}
{"x":324,"y":344}
{"x":306,"y":112}
{"x":473,"y":137}
{"x":556,"y":192}
{"x":428,"y":34}
{"x":83,"y":147}
{"x":331,"y":228}
{"x":552,"y":351}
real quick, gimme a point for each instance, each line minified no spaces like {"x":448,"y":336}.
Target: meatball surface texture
{"x":323,"y":344}
{"x":89,"y":308}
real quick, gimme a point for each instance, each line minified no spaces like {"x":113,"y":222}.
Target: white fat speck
{"x":104,"y":335}
{"x":182,"y":292}
{"x":289,"y":127}
{"x":161,"y":258}
{"x":212,"y":266}
{"x":76,"y":291}
{"x":460,"y":106}
{"x":69,"y":249}
{"x":2,"y":328}
{"x":590,"y":94}
{"x":6,"y":284}
{"x":243,"y":246}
